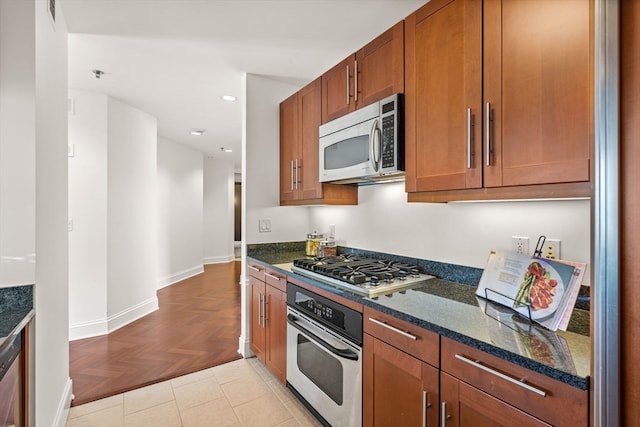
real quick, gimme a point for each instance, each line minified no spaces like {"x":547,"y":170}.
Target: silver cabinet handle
{"x":443,"y":415}
{"x":393,"y":328}
{"x":272,"y":276}
{"x":469,"y":136}
{"x":355,"y":79}
{"x":260,"y":301}
{"x":265,"y":311}
{"x":425,"y":405}
{"x":519,"y":383}
{"x":292,"y":173}
{"x":347,"y":84}
{"x":297,"y":173}
{"x":488,"y":135}
{"x":254,"y":268}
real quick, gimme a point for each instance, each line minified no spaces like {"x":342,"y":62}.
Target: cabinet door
{"x":276,"y":320}
{"x":288,"y":147}
{"x":399,"y":390}
{"x":338,"y":90}
{"x":443,"y":104}
{"x":466,"y":406}
{"x":258,"y":325}
{"x":380,"y":67}
{"x":537,"y":84}
{"x":309,"y":115}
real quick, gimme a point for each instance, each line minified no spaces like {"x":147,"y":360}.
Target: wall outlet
{"x":264,"y":225}
{"x":551,"y":249}
{"x":520,"y":245}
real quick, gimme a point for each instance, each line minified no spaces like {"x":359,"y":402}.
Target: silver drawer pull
{"x":393,"y":328}
{"x":254,"y":268}
{"x":519,"y":383}
{"x":272,"y":276}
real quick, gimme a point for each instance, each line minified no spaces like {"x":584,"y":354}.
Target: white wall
{"x":260,"y":177}
{"x":458,"y":233}
{"x":262,"y":165}
{"x":131,"y":209}
{"x":88,"y":212}
{"x":218,"y":215}
{"x":113,"y":205}
{"x":52,"y":383}
{"x":180,"y":212}
{"x":17,"y":143}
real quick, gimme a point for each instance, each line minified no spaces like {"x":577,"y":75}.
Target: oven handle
{"x":347,"y":354}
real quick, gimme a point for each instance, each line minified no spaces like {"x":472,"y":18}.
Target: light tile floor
{"x":239,"y":393}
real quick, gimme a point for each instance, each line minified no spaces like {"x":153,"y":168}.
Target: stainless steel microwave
{"x":365,"y":146}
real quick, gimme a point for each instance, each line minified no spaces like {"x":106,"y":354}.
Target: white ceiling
{"x":175,"y":58}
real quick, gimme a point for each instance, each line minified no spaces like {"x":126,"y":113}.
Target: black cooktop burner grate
{"x":358,"y":270}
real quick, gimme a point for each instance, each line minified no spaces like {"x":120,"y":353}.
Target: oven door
{"x":325,"y":369}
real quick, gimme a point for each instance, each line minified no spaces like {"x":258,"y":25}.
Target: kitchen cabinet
{"x":498,"y":99}
{"x":268,"y":318}
{"x":478,"y":389}
{"x":299,"y":168}
{"x":371,"y":74}
{"x":398,"y":387}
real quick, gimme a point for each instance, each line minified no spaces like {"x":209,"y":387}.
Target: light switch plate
{"x":264,"y":225}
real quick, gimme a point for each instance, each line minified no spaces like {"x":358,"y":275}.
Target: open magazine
{"x":540,"y":289}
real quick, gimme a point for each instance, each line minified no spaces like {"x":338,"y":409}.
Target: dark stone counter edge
{"x":573,"y":380}
{"x":16,"y":310}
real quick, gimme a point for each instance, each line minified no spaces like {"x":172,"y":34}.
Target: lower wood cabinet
{"x":269,"y":320}
{"x":399,"y":387}
{"x":414,"y":377}
{"x":399,"y":390}
{"x":464,"y":405}
{"x":478,"y":389}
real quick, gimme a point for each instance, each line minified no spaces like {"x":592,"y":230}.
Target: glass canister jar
{"x":327,"y":248}
{"x":313,"y":241}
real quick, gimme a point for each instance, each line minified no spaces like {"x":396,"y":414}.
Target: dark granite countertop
{"x":452,"y":309}
{"x":16,"y":309}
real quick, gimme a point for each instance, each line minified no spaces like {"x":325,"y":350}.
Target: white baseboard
{"x":63,"y":406}
{"x":104,"y":326}
{"x":90,"y":329}
{"x":180,"y":275}
{"x":219,"y":259}
{"x":244,"y":347}
{"x":127,"y":316}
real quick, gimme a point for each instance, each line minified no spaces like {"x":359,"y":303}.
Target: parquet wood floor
{"x":196,"y":327}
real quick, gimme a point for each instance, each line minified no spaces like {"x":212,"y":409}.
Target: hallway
{"x":196,"y":327}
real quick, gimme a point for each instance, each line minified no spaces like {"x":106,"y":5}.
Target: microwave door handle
{"x":375,"y":147}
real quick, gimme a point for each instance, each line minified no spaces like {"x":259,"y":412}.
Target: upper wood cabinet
{"x":498,"y":99}
{"x":299,"y":164}
{"x":371,"y":74}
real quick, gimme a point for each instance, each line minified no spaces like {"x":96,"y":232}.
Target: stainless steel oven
{"x":324,"y":356}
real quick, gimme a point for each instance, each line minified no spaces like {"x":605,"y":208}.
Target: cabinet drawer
{"x":256,"y":270}
{"x":276,"y":279}
{"x":412,"y":339}
{"x":550,"y":400}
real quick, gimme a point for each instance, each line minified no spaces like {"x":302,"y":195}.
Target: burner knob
{"x":373,"y":281}
{"x":388,"y":277}
{"x":402,"y":275}
{"x":415,"y":272}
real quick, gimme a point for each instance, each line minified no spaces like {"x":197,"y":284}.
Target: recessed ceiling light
{"x":229,"y":98}
{"x":197,"y":132}
{"x":228,"y":150}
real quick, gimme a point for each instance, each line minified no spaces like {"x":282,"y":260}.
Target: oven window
{"x":349,"y":152}
{"x":322,"y":368}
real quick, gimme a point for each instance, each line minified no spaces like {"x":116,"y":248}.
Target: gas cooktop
{"x":361,"y":275}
